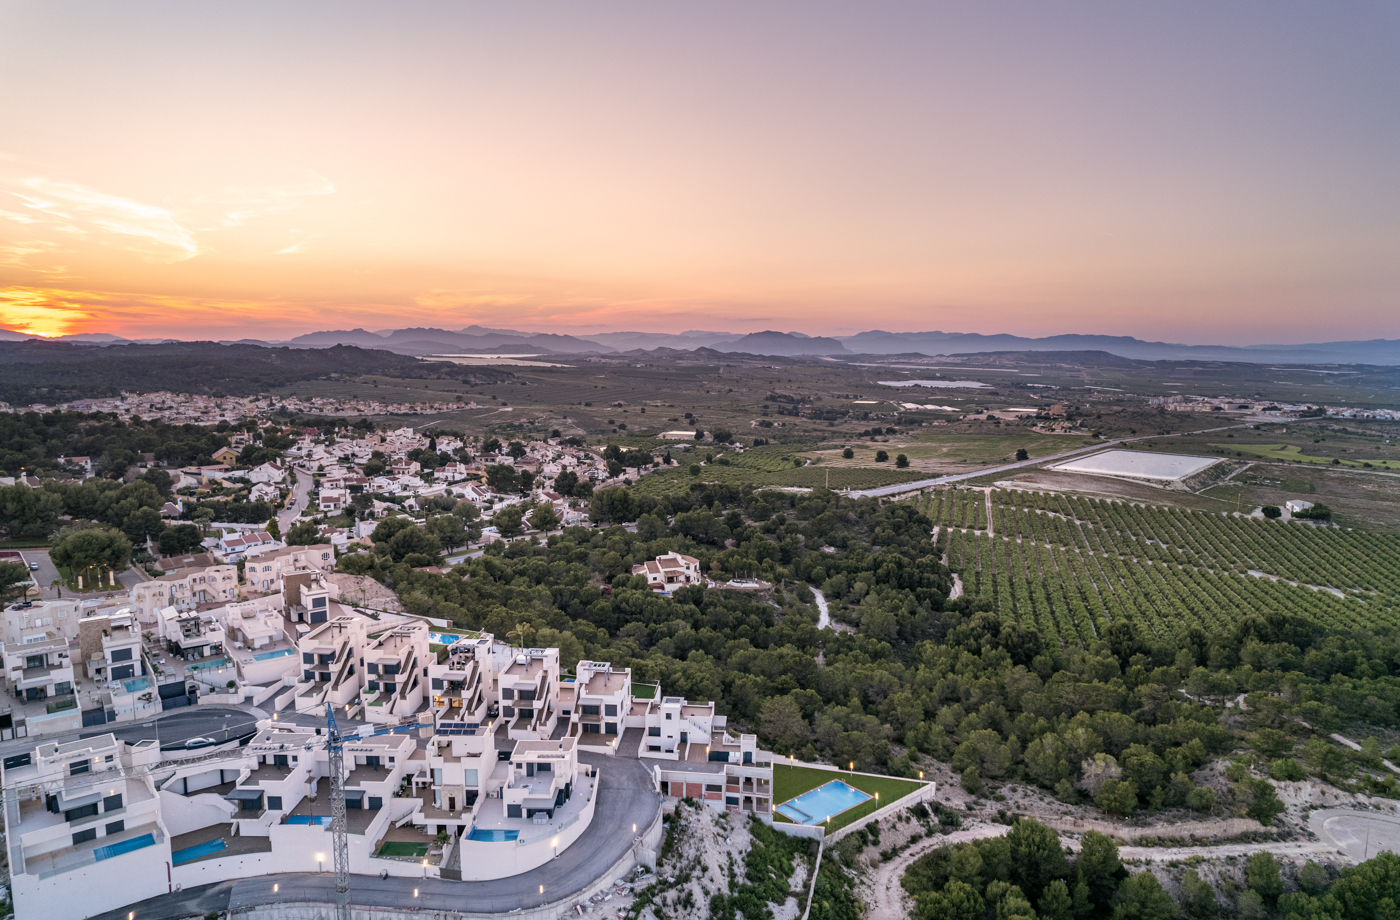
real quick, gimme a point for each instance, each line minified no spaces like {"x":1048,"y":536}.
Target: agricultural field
{"x":1069,"y":565}
{"x":1292,"y":453}
{"x":953,"y":448}
{"x":773,"y":465}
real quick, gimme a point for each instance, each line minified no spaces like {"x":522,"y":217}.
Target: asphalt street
{"x":625,"y":800}
{"x":47,"y":574}
{"x":1034,"y":461}
{"x":296,"y":503}
{"x":172,"y":729}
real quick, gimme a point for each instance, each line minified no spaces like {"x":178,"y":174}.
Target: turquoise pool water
{"x":279,"y":653}
{"x":442,"y":638}
{"x":137,"y":685}
{"x":497,"y":836}
{"x":321,"y":820}
{"x":211,"y":665}
{"x":179,"y":857}
{"x":821,"y":803}
{"x":126,"y":846}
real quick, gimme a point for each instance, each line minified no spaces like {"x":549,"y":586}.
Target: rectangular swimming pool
{"x":136,"y":685}
{"x":481,"y":834}
{"x":126,"y":846}
{"x":320,"y":820}
{"x":443,"y":638}
{"x":180,"y":857}
{"x":821,"y":803}
{"x":276,"y":653}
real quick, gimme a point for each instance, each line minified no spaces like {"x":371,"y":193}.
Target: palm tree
{"x":57,"y":585}
{"x":522,"y":631}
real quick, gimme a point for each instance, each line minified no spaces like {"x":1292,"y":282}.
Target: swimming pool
{"x":137,"y":685}
{"x":278,"y":653}
{"x":821,"y":803}
{"x":496,"y":836}
{"x":126,"y":846}
{"x":443,"y":638}
{"x":209,"y":665}
{"x":320,"y":820}
{"x":180,"y":857}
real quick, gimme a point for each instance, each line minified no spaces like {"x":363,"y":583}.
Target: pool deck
{"x":233,"y":846}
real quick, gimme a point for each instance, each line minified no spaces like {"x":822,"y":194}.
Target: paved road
{"x":301,"y":494}
{"x":625,"y":798}
{"x":47,"y":574}
{"x":172,"y":729}
{"x":897,"y":488}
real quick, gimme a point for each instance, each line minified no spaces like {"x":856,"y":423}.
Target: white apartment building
{"x":39,"y":668}
{"x":527,"y":682}
{"x":184,"y":589}
{"x":82,"y":823}
{"x":264,"y":571}
{"x":396,"y":673}
{"x":40,"y":619}
{"x":110,"y":646}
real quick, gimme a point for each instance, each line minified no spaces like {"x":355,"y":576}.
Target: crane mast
{"x":340,"y":845}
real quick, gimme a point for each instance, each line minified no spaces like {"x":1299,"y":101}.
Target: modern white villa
{"x":467,"y":766}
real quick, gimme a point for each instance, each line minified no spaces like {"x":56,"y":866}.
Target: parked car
{"x":33,"y":566}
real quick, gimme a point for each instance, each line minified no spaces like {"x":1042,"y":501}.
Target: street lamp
{"x":320,"y":862}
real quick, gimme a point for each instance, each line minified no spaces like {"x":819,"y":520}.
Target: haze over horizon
{"x":1194,"y":174}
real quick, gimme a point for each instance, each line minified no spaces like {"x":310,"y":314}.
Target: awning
{"x":244,"y":794}
{"x":354,"y":793}
{"x":68,"y":803}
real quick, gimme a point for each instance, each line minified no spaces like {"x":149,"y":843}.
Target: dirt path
{"x":887,"y":900}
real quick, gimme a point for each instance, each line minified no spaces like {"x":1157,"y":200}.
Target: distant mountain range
{"x":420,"y":341}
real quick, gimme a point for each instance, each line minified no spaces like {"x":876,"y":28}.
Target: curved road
{"x":625,"y":798}
{"x":899,"y":487}
{"x":296,"y":502}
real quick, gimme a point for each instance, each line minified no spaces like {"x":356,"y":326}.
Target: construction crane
{"x":340,"y":845}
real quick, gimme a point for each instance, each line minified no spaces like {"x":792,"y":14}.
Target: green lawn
{"x":644,"y":691}
{"x":791,"y":781}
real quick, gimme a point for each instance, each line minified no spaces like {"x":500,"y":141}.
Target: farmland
{"x":1070,"y":565}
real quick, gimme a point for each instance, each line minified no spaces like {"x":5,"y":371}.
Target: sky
{"x":1191,"y":172}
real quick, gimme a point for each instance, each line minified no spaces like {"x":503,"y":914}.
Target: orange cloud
{"x":44,"y":313}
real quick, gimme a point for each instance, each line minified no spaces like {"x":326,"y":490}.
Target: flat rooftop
{"x":1138,"y":464}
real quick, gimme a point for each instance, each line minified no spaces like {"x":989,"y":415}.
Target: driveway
{"x":625,"y":799}
{"x":47,"y":574}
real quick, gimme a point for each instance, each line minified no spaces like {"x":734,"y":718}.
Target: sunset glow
{"x":1186,"y":173}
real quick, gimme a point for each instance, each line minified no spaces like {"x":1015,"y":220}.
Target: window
{"x":78,"y":767}
{"x":654,"y":731}
{"x":507,"y":694}
{"x":85,"y":836}
{"x":121,"y":654}
{"x":668,"y":717}
{"x":112,"y":802}
{"x":610,"y":710}
{"x":373,"y":667}
{"x":81,"y":812}
{"x":308,"y":658}
{"x":116,"y":827}
{"x":274,"y":803}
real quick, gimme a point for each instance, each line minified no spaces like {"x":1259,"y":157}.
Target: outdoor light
{"x":275,"y":886}
{"x":415,"y":892}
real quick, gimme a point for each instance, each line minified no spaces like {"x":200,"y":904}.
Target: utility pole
{"x":340,"y":845}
